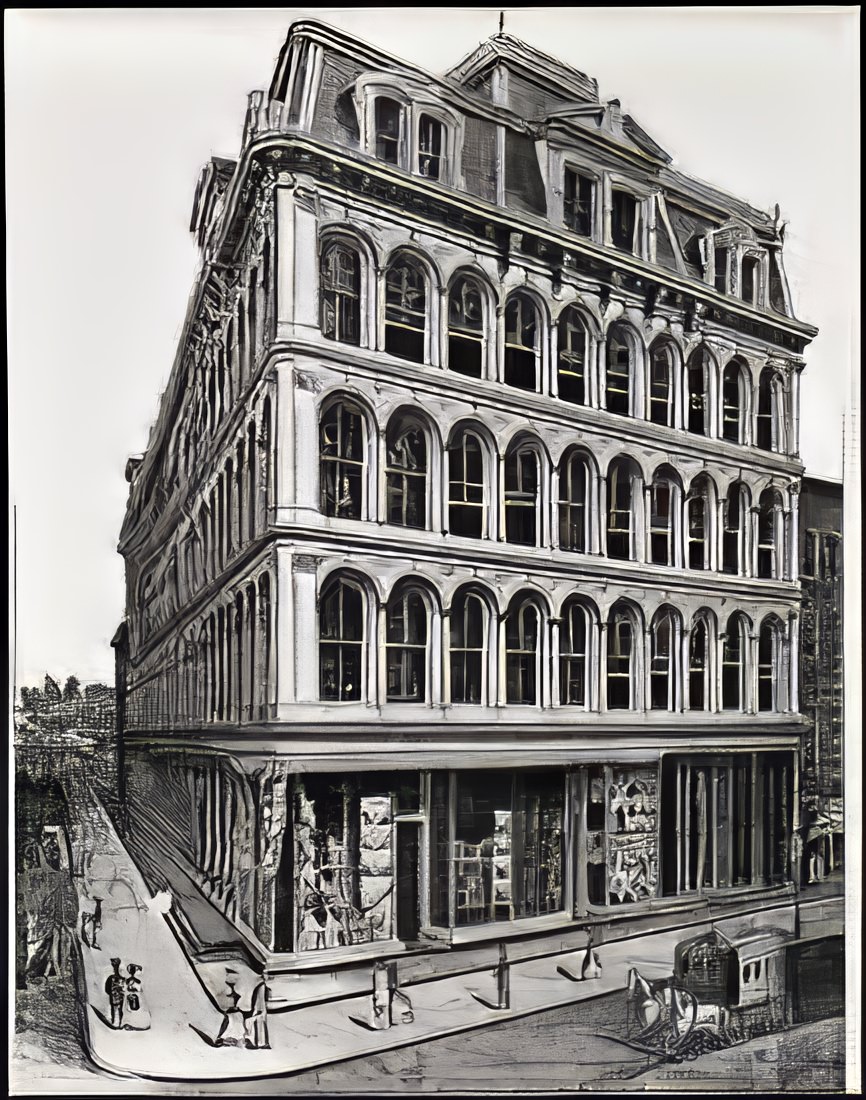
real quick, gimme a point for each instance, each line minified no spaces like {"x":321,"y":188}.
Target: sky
{"x":110,"y":114}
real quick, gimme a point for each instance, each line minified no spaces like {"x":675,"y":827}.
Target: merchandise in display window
{"x":622,"y":834}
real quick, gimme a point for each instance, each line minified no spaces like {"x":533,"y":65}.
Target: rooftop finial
{"x":501,"y":21}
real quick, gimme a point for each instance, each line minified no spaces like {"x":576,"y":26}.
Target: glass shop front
{"x":387,"y":856}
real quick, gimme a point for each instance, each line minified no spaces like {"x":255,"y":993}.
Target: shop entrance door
{"x":408,"y":917}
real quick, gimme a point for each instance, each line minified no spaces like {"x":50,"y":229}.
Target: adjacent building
{"x":462,"y":565}
{"x":821,"y":675}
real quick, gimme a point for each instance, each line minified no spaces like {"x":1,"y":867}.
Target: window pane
{"x":387,"y":130}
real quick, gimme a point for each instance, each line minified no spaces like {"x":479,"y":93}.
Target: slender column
{"x":602,"y":678}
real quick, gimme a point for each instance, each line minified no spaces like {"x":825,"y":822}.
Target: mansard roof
{"x":514,"y":54}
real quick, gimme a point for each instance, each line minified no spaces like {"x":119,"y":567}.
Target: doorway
{"x":408,"y":914}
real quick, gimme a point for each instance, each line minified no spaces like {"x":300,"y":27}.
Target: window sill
{"x":510,"y":929}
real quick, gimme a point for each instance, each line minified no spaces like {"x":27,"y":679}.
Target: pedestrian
{"x":257,"y":1019}
{"x":115,"y":987}
{"x":137,"y":1015}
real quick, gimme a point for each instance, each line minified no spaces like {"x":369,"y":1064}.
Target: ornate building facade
{"x":462,"y":565}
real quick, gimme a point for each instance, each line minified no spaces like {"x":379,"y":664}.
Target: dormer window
{"x":388,"y":112}
{"x":431,"y":147}
{"x":720,"y":262}
{"x":625,"y":222}
{"x":578,"y":203}
{"x":749,"y":279}
{"x":408,"y":127}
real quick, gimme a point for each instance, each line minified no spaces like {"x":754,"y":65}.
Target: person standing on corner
{"x":115,"y":987}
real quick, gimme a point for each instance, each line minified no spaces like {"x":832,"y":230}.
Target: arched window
{"x":466,"y":486}
{"x":466,"y":327}
{"x":661,"y":384}
{"x":734,"y":534}
{"x":663,"y":642}
{"x":388,"y":114}
{"x":770,"y":531}
{"x":664,"y":501}
{"x":573,"y":655}
{"x":734,"y":403}
{"x":468,"y":648}
{"x":572,"y":344}
{"x":771,"y":393}
{"x":405,"y":310}
{"x":619,"y":372}
{"x":620,"y":661}
{"x":698,"y":512}
{"x":406,"y":648}
{"x":341,"y":642}
{"x":521,"y":653}
{"x":521,"y":497}
{"x":341,"y":461}
{"x":621,"y":494}
{"x":734,"y":651}
{"x":341,"y":293}
{"x":406,"y":474}
{"x":769,"y":666}
{"x":697,"y":375}
{"x":699,"y":666}
{"x":522,"y":343}
{"x":431,"y":148}
{"x":573,"y":503}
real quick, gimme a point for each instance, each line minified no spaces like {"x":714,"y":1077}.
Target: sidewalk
{"x":305,"y":1037}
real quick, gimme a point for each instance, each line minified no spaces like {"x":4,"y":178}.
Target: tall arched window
{"x":663,"y":641}
{"x":734,"y":652}
{"x":770,"y":666}
{"x":771,"y":403}
{"x":468,"y":648}
{"x":341,"y":642}
{"x":665,"y":496}
{"x":521,"y":653}
{"x":573,"y":503}
{"x":698,"y":513}
{"x":405,"y":309}
{"x":388,"y":114}
{"x":466,"y":327}
{"x":466,"y":486}
{"x":698,"y":378}
{"x":620,"y":661}
{"x":522,"y":343}
{"x":574,"y":655}
{"x":406,"y":474}
{"x":572,"y":344}
{"x":619,"y":374}
{"x":341,"y":293}
{"x":770,"y":532}
{"x":522,"y":497}
{"x":406,"y":648}
{"x":734,"y":402}
{"x":699,"y":666}
{"x":342,"y":446}
{"x":621,"y":495}
{"x":734,"y":534}
{"x":431,"y":148}
{"x":661,"y":383}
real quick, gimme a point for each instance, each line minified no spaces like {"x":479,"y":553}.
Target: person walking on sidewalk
{"x":257,"y":1020}
{"x":115,"y":987}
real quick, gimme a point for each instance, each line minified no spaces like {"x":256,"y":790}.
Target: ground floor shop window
{"x":729,"y":821}
{"x":621,"y":834}
{"x":347,"y":878}
{"x":496,"y":846}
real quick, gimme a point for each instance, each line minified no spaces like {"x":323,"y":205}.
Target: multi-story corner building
{"x":462,"y":564}
{"x":821,"y":684}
